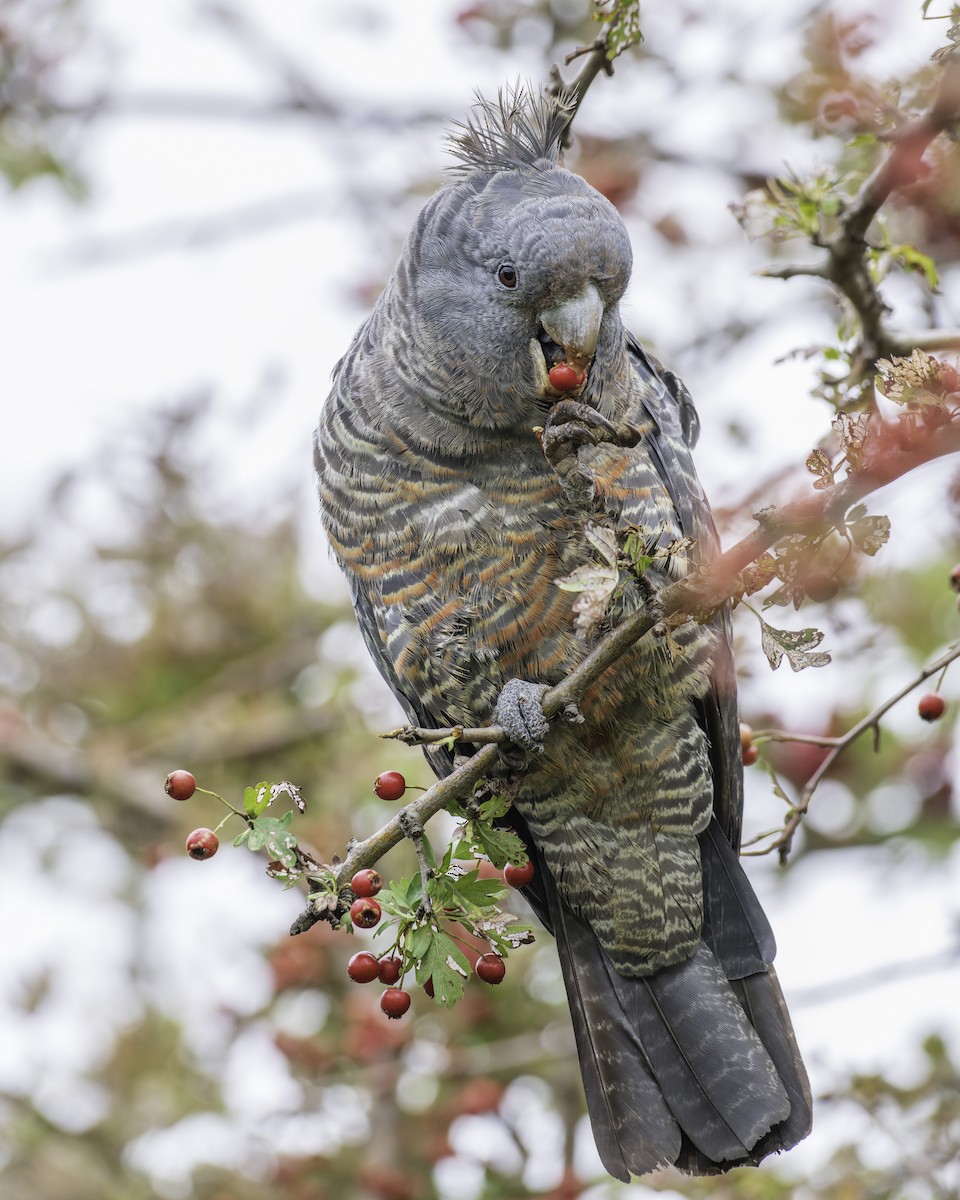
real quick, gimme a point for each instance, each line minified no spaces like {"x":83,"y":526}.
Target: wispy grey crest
{"x":519,"y":128}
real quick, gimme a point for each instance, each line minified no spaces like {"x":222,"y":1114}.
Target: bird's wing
{"x":673,"y":432}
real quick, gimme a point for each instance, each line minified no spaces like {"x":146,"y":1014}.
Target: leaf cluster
{"x":423,"y":921}
{"x":622,"y":21}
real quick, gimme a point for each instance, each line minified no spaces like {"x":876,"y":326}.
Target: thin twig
{"x":783,"y":842}
{"x":412,"y":828}
{"x":596,"y":59}
{"x":784,"y":735}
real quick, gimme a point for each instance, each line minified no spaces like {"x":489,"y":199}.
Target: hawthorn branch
{"x":845,"y":264}
{"x":596,"y":59}
{"x":783,"y":842}
{"x":892,"y":451}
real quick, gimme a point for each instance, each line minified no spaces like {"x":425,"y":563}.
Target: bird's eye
{"x":507,"y":276}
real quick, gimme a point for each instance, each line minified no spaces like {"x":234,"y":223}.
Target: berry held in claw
{"x":564,"y":378}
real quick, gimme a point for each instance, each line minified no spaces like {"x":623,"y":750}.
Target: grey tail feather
{"x":681,"y":1067}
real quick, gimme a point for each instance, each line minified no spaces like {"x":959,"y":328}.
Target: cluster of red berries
{"x":365,"y":911}
{"x":365,"y":967}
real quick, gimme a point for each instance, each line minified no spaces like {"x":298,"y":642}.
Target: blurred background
{"x":199,"y":202}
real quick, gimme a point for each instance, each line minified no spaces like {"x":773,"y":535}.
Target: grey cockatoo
{"x":460,"y":482}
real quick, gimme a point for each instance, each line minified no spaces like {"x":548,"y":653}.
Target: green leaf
{"x":623,"y":24}
{"x":271,"y":834}
{"x":481,"y":893}
{"x":256,"y":798}
{"x":781,"y":597}
{"x":499,"y":845}
{"x":912,"y":259}
{"x":447,"y":861}
{"x":496,"y":806}
{"x":442,"y":961}
{"x":796,"y":645}
{"x":758,"y":574}
{"x":419,"y":939}
{"x":402,"y":898}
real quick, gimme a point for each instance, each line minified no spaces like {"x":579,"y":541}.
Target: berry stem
{"x":236,"y":811}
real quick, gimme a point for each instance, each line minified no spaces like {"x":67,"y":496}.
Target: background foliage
{"x":161,"y":608}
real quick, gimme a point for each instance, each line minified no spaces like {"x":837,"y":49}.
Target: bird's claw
{"x":519,"y":713}
{"x":570,"y":426}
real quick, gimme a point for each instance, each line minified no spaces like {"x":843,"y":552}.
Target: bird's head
{"x":512,"y":271}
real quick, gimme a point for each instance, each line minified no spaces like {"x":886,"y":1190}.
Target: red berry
{"x":519,"y":877}
{"x":750,"y":755}
{"x":821,"y":586}
{"x":395,"y":1002}
{"x":490,"y":968}
{"x":390,"y":785}
{"x":746,"y":735}
{"x":389,"y":969}
{"x":202,"y":843}
{"x":931,"y":706}
{"x":363,"y":967}
{"x":366,"y":882}
{"x":564,"y":378}
{"x":365,"y":912}
{"x":955,"y":578}
{"x":180,"y":785}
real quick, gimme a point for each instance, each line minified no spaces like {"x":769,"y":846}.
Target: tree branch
{"x":845,"y":264}
{"x":596,"y":59}
{"x":891,"y":451}
{"x":902,"y":164}
{"x":783,"y":842}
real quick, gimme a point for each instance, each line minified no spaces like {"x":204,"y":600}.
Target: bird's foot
{"x":570,"y":426}
{"x":578,"y":424}
{"x":519,"y":713}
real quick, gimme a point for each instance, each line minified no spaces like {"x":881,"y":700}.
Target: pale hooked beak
{"x":575,"y":325}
